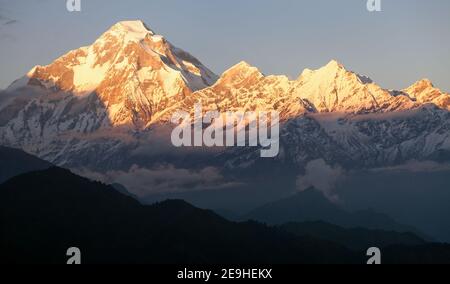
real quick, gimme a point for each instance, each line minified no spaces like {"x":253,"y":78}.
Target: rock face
{"x":96,"y":108}
{"x":126,"y":77}
{"x":424,"y":92}
{"x":330,"y":89}
{"x":120,"y":84}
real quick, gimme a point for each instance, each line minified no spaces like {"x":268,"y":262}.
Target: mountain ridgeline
{"x":116,"y":96}
{"x":43,"y":213}
{"x":312,"y":205}
{"x":14,"y":162}
{"x":104,"y":112}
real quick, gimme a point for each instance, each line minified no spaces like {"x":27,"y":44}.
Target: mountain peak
{"x":422,"y":84}
{"x":424,"y":91}
{"x":334,"y":62}
{"x":240,"y":72}
{"x":242,"y":67}
{"x":135,"y":30}
{"x":330,"y":70}
{"x":133,"y":26}
{"x":131,"y":70}
{"x":333,"y":66}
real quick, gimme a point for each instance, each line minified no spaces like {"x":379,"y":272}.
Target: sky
{"x":407,"y":41}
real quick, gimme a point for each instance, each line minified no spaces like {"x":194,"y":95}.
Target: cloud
{"x":10,"y":22}
{"x":163,"y":179}
{"x":6,"y":21}
{"x":323,"y":177}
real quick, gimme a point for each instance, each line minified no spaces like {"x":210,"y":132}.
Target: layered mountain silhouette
{"x":103,"y":111}
{"x":45,"y":212}
{"x":311,"y":205}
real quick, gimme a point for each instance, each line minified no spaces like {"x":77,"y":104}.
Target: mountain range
{"x":103,"y":111}
{"x":43,"y":213}
{"x":312,"y":206}
{"x":115,"y":98}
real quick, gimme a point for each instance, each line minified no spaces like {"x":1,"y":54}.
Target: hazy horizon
{"x":404,"y":43}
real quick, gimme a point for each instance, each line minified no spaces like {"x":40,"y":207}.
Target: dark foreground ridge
{"x":43,"y":213}
{"x":14,"y":162}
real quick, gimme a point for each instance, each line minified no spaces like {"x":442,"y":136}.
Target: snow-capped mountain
{"x":129,"y":71}
{"x":102,"y":106}
{"x":124,"y":80}
{"x":337,"y":115}
{"x":423,"y":92}
{"x":329,"y":89}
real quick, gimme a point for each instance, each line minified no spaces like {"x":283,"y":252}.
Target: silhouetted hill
{"x":312,"y":205}
{"x":122,"y":189}
{"x":43,"y":213}
{"x":354,"y":238}
{"x":15,"y":162}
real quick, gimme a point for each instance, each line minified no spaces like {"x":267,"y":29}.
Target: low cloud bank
{"x":163,"y":179}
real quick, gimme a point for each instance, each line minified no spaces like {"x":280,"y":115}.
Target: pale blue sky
{"x":408,"y":41}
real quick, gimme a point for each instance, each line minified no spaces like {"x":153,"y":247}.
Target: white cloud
{"x":323,"y":177}
{"x":163,"y":179}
